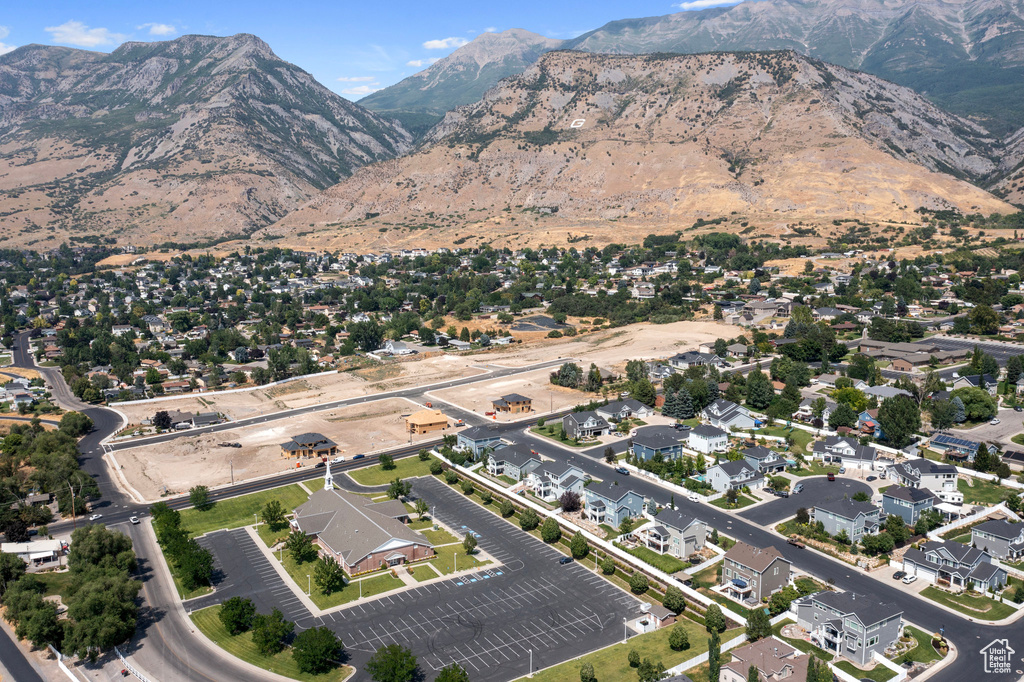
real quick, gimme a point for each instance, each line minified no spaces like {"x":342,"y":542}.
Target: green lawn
{"x":801,"y":644}
{"x":815,"y":469}
{"x":801,"y":438}
{"x":270,"y":536}
{"x":56,"y":583}
{"x":975,"y":606}
{"x":239,"y":511}
{"x":664,"y":562}
{"x":931,"y":454}
{"x":423,"y":571}
{"x":879,"y":673}
{"x":407,"y":467}
{"x":445,"y":561}
{"x":554,"y":432}
{"x":611,"y":665}
{"x":314,"y":484}
{"x":375,"y":584}
{"x":985,"y":492}
{"x":741,"y":502}
{"x":439,"y":537}
{"x":924,"y":652}
{"x":241,"y":646}
{"x":734,"y":606}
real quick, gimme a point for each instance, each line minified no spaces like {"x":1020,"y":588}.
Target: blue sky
{"x":352,"y":47}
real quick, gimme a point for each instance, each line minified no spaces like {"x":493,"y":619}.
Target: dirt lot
{"x":546,"y":396}
{"x":184,"y":462}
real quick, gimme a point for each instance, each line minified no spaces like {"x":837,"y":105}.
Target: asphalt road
{"x":817,"y":489}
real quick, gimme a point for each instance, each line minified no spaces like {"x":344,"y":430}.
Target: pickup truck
{"x":796,"y":543}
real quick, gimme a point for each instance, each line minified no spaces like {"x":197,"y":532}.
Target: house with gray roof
{"x":846,"y":452}
{"x":691,"y":358}
{"x":988,"y":383}
{"x":707,"y":439}
{"x":478,"y":439}
{"x":1001,"y":539}
{"x":883,"y":392}
{"x":954,"y":564}
{"x":649,"y":441}
{"x":309,"y":445}
{"x":908,"y":503}
{"x":857,"y":519}
{"x":673,"y":532}
{"x":752,"y":573}
{"x":514,"y":461}
{"x":610,"y":503}
{"x":849,"y":625}
{"x":624,"y":409}
{"x":764,"y":460}
{"x":553,"y":479}
{"x":924,"y":473}
{"x":585,"y":425}
{"x":733,"y":475}
{"x":360,"y":534}
{"x":725,"y":414}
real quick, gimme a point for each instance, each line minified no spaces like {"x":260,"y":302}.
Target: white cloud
{"x":490,"y":29}
{"x":419,"y":63}
{"x":78,"y":34}
{"x":357,"y":79}
{"x":704,"y":4}
{"x":445,"y":43}
{"x":361,"y":90}
{"x":158,"y":29}
{"x":4,"y":47}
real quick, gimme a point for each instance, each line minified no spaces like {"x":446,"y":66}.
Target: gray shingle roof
{"x":868,"y":610}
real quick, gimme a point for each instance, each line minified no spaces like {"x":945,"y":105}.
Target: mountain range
{"x":185,"y":140}
{"x":965,"y":55}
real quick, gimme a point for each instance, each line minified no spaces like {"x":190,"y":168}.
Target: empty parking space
{"x":1000,"y":352}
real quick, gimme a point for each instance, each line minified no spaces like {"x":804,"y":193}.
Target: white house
{"x":725,"y":414}
{"x":708,"y":439}
{"x":732,"y":475}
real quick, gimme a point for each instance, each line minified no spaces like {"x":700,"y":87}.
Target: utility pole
{"x":531,"y":663}
{"x":74,"y":522}
{"x":232,"y":463}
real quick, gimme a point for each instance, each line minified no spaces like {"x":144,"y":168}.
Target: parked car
{"x":842,"y":470}
{"x":831,"y":476}
{"x":872,"y":478}
{"x":796,"y":543}
{"x":622,"y":470}
{"x":566,"y":560}
{"x":899,"y":575}
{"x":909,"y":579}
{"x":694,"y":497}
{"x":994,"y":421}
{"x":798,"y":488}
{"x":320,"y":465}
{"x":134,"y":520}
{"x":1018,"y":408}
{"x":358,"y":456}
{"x":782,"y":493}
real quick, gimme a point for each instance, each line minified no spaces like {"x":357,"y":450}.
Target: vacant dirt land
{"x":546,"y":396}
{"x":185,"y":462}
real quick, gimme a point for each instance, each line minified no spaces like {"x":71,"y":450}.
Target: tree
{"x":528,"y":520}
{"x":942,"y":413}
{"x":803,"y":516}
{"x":752,"y":674}
{"x":550,"y":531}
{"x":328,"y":574}
{"x":369,"y":335}
{"x":978,"y":404}
{"x":392,"y":663}
{"x":759,"y":390}
{"x":686,"y":410}
{"x":714,"y":621}
{"x":643,"y":390}
{"x":899,"y":417}
{"x":469,"y":543}
{"x":650,"y":672}
{"x":731,"y":496}
{"x":843,"y":415}
{"x":609,"y":455}
{"x":674,"y":600}
{"x":714,"y":656}
{"x":861,"y":496}
{"x":300,"y":546}
{"x":634,"y":658}
{"x":195,"y":565}
{"x":452,"y":673}
{"x":569,"y":501}
{"x":587,"y":673}
{"x":506,"y":509}
{"x":983,"y":320}
{"x":11,"y":569}
{"x":274,"y":514}
{"x":896,"y":528}
{"x":759,"y":625}
{"x":578,"y":546}
{"x":607,"y":565}
{"x":982,"y":460}
{"x":315,"y":650}
{"x":678,"y":639}
{"x":199,"y":496}
{"x":269,"y":631}
{"x":75,"y":424}
{"x":386,"y":461}
{"x":959,"y":410}
{"x":398,"y":489}
{"x":162,"y":420}
{"x":423,"y":454}
{"x":1014,"y":370}
{"x":638,"y":583}
{"x":237,"y":614}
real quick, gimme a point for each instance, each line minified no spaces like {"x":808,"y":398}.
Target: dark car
{"x":566,"y":560}
{"x":782,"y":493}
{"x":831,"y":477}
{"x":872,"y":478}
{"x":1018,"y":408}
{"x":358,"y":456}
{"x":622,"y":470}
{"x":320,"y":465}
{"x":899,"y":575}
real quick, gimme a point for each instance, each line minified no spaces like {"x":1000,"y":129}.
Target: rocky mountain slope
{"x":966,"y":55}
{"x":460,"y":78}
{"x":583,"y":145}
{"x":190,"y":139}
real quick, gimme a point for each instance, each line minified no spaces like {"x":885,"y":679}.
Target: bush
{"x":678,"y":639}
{"x":450,"y":477}
{"x":436,"y":468}
{"x":237,"y":615}
{"x":424,"y":455}
{"x":550,"y":531}
{"x":314,"y":650}
{"x":638,"y":583}
{"x":507,"y":509}
{"x":634,"y":658}
{"x":528,"y":520}
{"x":467,"y":487}
{"x":608,"y":565}
{"x":485,"y":496}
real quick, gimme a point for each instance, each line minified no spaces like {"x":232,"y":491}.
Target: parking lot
{"x":488,"y":621}
{"x":816,"y":491}
{"x":1000,"y":351}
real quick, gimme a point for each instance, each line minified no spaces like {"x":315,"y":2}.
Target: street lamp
{"x":256,"y":518}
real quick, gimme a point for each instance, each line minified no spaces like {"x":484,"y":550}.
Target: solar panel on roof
{"x":946,"y":439}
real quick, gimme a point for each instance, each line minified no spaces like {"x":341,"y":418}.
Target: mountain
{"x":195,"y":138}
{"x":608,"y":147}
{"x":421,"y":100}
{"x":965,"y":55}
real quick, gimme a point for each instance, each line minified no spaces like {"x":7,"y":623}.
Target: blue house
{"x":610,"y":503}
{"x":868,"y":424}
{"x":477,"y":439}
{"x":514,"y":461}
{"x":654,"y":440}
{"x":908,"y":503}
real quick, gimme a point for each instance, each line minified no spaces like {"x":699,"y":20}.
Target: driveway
{"x":817,"y":489}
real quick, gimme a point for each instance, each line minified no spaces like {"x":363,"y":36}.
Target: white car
{"x":134,"y":520}
{"x":994,"y":422}
{"x":694,"y":497}
{"x":907,"y":579}
{"x":338,"y":459}
{"x":94,"y":517}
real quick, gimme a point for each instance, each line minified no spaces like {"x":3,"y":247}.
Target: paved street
{"x":817,"y":489}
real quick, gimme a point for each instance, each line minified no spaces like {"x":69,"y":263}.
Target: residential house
{"x":673,"y":532}
{"x":426,"y":421}
{"x":765,"y":461}
{"x":1001,"y":539}
{"x":691,"y":358}
{"x":924,"y":473}
{"x":773,"y":659}
{"x":849,"y":625}
{"x":611,"y":504}
{"x":867,"y":424}
{"x":309,"y":445}
{"x":585,"y":425}
{"x":478,"y":439}
{"x":733,"y":475}
{"x":805,"y":412}
{"x":847,"y":452}
{"x":513,"y":403}
{"x":751,"y":573}
{"x":35,"y":553}
{"x":953,"y":446}
{"x":650,"y":441}
{"x":883,"y":392}
{"x":907,"y":503}
{"x":552,"y":479}
{"x":358,"y":533}
{"x":988,"y":382}
{"x":727,"y":415}
{"x":856,"y":519}
{"x":514,"y":461}
{"x":624,"y":409}
{"x":954,"y":564}
{"x":708,"y":439}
